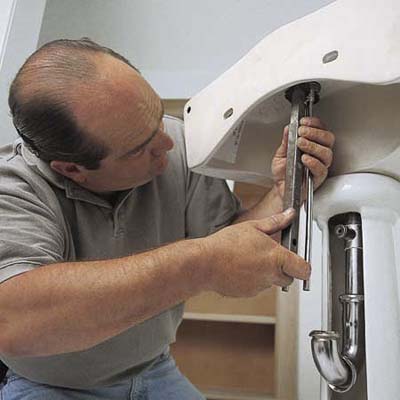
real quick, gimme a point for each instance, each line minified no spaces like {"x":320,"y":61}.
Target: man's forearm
{"x":73,"y":306}
{"x":269,"y":205}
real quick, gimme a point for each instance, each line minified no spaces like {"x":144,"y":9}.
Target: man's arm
{"x":68,"y":307}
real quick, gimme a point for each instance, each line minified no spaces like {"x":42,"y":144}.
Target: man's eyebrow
{"x":147,"y":141}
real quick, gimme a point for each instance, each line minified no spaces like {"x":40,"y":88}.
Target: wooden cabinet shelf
{"x":222,"y":357}
{"x":247,"y":319}
{"x":262,"y":305}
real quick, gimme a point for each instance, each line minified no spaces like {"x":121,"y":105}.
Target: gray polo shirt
{"x":46,"y":218}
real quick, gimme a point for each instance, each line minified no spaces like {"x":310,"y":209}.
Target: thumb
{"x":277,"y":222}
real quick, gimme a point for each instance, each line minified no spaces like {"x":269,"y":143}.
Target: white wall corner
{"x":20,"y":25}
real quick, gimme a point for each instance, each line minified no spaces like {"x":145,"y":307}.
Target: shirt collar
{"x":72,"y":189}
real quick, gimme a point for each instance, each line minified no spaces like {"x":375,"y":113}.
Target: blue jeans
{"x":163,"y":381}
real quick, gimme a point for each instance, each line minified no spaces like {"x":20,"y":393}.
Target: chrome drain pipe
{"x":340,"y":369}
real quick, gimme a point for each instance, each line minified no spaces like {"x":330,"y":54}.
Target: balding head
{"x":43,"y":94}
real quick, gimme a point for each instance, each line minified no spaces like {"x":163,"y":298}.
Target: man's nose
{"x":162,"y":143}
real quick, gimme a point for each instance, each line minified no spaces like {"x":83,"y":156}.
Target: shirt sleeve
{"x":29,"y":233}
{"x":210,"y":205}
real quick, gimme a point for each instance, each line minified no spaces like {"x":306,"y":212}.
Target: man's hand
{"x":246,"y":260}
{"x":316,"y":142}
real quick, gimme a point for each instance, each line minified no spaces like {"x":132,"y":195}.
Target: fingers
{"x":283,"y":280}
{"x":316,"y":150}
{"x":318,"y":170}
{"x":296,"y":267}
{"x":323,"y":137}
{"x":317,"y":143}
{"x":291,"y":266}
{"x":314,"y":122}
{"x":275,"y":223}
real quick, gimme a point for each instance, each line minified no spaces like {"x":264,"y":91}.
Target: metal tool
{"x":312,"y":98}
{"x":302,"y":97}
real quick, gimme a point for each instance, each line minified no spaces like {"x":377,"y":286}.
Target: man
{"x":94,"y":205}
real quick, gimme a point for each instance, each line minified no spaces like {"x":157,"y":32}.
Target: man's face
{"x":125,"y":114}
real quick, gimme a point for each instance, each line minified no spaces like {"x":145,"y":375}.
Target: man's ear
{"x":71,"y":170}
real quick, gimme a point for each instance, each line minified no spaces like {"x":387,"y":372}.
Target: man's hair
{"x":40,"y":107}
